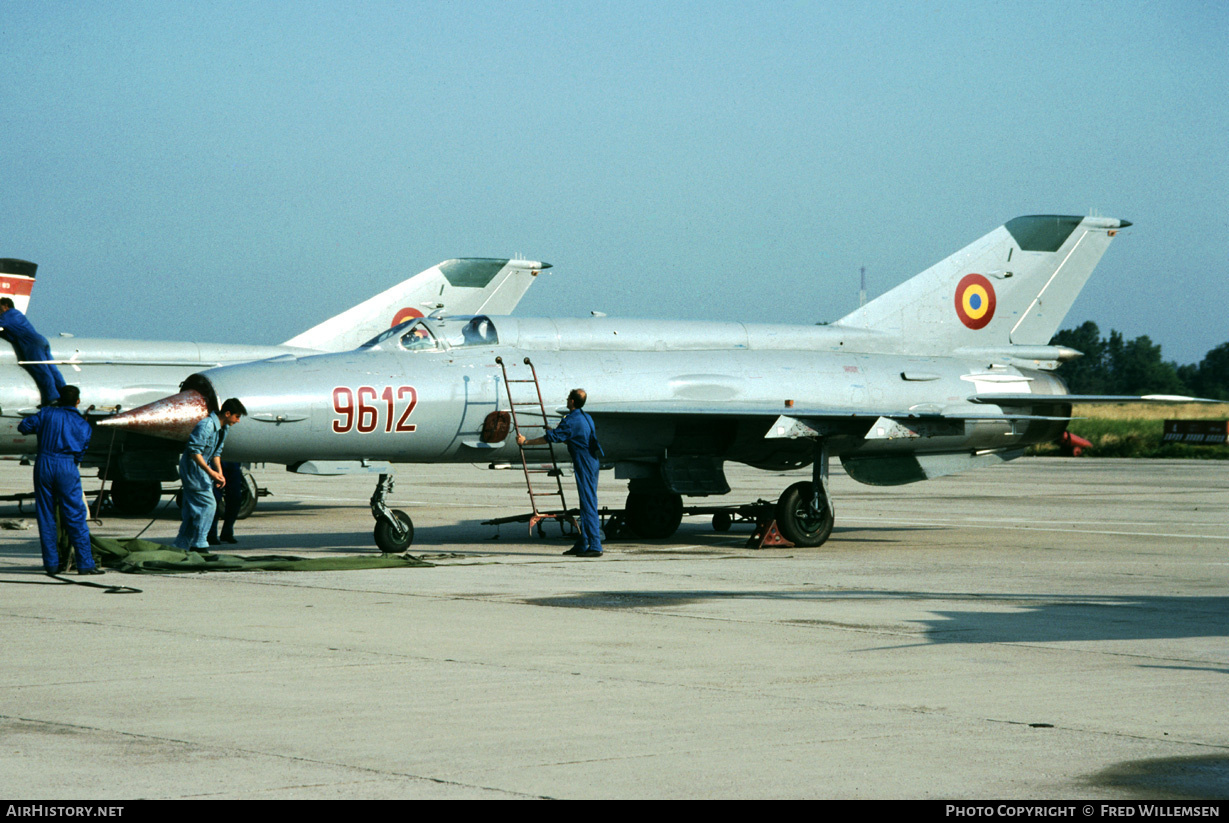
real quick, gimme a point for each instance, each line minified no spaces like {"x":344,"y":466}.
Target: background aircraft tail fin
{"x":1013,"y":286}
{"x":17,"y":281}
{"x":470,"y":285}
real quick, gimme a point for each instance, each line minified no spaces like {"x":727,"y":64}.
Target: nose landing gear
{"x":394,"y":530}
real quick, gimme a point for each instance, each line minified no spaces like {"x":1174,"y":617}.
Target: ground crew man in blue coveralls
{"x":30,"y":345}
{"x":63,"y":435}
{"x":227,"y":499}
{"x":578,"y":431}
{"x":200,"y":468}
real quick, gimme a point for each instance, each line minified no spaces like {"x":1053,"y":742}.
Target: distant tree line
{"x":1118,"y":366}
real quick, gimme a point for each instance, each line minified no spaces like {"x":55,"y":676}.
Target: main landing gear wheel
{"x":132,"y":498}
{"x":798,"y":519}
{"x":387,"y":538}
{"x":247,"y":496}
{"x":654,"y":515}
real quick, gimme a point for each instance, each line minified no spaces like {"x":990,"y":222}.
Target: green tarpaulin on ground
{"x":146,"y":557}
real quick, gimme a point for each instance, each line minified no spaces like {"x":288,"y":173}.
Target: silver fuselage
{"x":655,"y":388}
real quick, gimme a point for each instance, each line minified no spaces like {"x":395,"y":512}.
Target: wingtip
{"x":519,"y":263}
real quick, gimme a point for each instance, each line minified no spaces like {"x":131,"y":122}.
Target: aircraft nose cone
{"x":171,"y":418}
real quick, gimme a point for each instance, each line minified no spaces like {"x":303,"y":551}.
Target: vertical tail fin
{"x":473,"y":285}
{"x":17,"y":281}
{"x":1013,"y":286}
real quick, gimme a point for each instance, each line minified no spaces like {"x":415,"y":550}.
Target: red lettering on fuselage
{"x":365,"y":415}
{"x":343,"y":404}
{"x":402,"y":425}
{"x":368,"y":416}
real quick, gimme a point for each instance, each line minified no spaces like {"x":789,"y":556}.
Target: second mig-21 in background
{"x":948,"y":371}
{"x":116,"y":375}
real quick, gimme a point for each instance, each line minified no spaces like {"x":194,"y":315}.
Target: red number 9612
{"x":372,"y":407}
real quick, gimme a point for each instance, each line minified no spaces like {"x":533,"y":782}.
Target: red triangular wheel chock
{"x":768,"y":535}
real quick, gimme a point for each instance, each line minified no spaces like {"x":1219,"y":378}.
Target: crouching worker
{"x":200,"y":469}
{"x":63,"y":435}
{"x":32,"y":349}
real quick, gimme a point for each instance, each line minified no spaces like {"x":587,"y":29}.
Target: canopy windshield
{"x":429,"y":333}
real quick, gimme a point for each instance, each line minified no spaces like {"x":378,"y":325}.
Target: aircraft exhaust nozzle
{"x":171,"y":418}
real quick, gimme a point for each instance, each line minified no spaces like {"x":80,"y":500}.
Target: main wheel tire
{"x":799,"y":523}
{"x":722,"y":521}
{"x":654,"y":516}
{"x":386,"y":537}
{"x":132,"y":498}
{"x":247,"y":497}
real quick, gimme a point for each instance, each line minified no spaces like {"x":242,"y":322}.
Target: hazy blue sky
{"x":241,"y":171}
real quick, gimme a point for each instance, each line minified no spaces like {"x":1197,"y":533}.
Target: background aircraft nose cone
{"x":172,"y":418}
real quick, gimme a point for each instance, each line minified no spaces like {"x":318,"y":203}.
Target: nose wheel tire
{"x":798,"y":519}
{"x":387,"y":539}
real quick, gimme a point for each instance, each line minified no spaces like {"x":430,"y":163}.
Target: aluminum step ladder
{"x":537,"y":461}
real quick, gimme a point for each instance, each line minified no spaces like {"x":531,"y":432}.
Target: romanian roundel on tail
{"x":17,"y":281}
{"x":1014,"y":286}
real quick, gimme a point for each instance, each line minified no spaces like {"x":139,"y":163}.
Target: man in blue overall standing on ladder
{"x":63,"y":435}
{"x":578,"y":431}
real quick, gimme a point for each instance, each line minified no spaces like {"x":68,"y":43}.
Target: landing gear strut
{"x":804,"y":511}
{"x":394,"y":530}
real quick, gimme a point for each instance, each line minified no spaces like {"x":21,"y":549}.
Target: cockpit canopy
{"x":434,"y":333}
